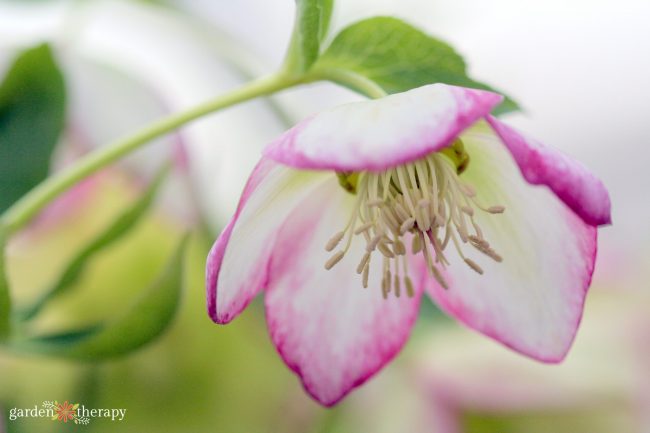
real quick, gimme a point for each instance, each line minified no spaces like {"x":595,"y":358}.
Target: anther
{"x":366,"y":272}
{"x":363,"y":228}
{"x":334,"y":260}
{"x":385,"y":250}
{"x":468,"y":190}
{"x":416,"y":246}
{"x":407,"y":225}
{"x":475,"y":240}
{"x":468,"y":210}
{"x":474,"y":266}
{"x":402,"y":213}
{"x":409,"y":287}
{"x":496,"y":209}
{"x":493,"y":255}
{"x":439,"y":278}
{"x":399,"y":248}
{"x":362,"y":264}
{"x":334,"y":241}
{"x":373,"y":243}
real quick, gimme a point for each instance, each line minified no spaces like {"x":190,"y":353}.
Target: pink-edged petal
{"x":568,"y":179}
{"x":377,"y":134}
{"x":533,"y":300}
{"x":330,"y":331}
{"x":237,"y":264}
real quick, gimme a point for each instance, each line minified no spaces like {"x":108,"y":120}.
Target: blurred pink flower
{"x":601,"y":387}
{"x":422,"y":179}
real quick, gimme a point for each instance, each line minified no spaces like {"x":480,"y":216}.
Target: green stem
{"x":21,"y":212}
{"x":29,"y":205}
{"x":349,"y":79}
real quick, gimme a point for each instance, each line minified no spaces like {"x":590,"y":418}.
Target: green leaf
{"x":139,"y":325}
{"x":310,"y":27}
{"x":32,"y":114}
{"x":397,"y":57}
{"x":5,"y":300}
{"x":118,"y":229}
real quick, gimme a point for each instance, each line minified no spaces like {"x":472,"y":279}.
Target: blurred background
{"x":580,"y":72}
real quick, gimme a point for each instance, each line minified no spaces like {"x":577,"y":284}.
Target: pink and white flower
{"x":422,"y":191}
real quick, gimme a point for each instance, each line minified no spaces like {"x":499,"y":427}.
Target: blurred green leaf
{"x":140,"y":324}
{"x":32,"y":114}
{"x":430,"y":312}
{"x":312,"y":22}
{"x":398,"y":57}
{"x":5,"y":300}
{"x":118,"y":229}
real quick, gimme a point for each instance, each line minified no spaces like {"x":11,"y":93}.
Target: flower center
{"x":423,"y":203}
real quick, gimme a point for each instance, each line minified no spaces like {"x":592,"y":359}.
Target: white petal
{"x":533,"y":300}
{"x":238,"y":262}
{"x":331,"y":331}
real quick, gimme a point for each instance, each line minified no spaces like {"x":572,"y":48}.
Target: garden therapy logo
{"x":66,"y":412}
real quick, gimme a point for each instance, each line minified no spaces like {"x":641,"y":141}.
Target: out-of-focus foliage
{"x":398,"y":57}
{"x":137,"y":326}
{"x":195,"y":377}
{"x":120,"y":227}
{"x":32,"y":113}
{"x":5,"y":300}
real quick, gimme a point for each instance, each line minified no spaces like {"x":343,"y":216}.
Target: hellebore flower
{"x":418,"y":191}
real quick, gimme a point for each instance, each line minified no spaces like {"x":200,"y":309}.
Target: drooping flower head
{"x":354,"y":213}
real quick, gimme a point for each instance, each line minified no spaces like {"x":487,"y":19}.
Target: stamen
{"x":363,"y":228}
{"x":407,"y":225}
{"x":417,"y":245}
{"x":386,"y":280}
{"x":407,"y":280}
{"x":496,"y":209}
{"x":332,"y":243}
{"x":424,"y":199}
{"x":409,"y":287}
{"x":334,"y":260}
{"x":373,"y":243}
{"x":468,"y":190}
{"x":423,"y":204}
{"x":363,"y":263}
{"x":385,"y":250}
{"x":399,"y":248}
{"x":472,"y":264}
{"x":401,"y":211}
{"x":468,"y":210}
{"x":396,"y":285}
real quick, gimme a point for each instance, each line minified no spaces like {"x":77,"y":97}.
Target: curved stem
{"x":349,"y":79}
{"x":21,"y":212}
{"x":29,"y":205}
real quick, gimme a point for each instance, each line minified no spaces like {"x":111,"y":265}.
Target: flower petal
{"x":533,"y":300}
{"x":583,"y":192}
{"x":329,"y":330}
{"x":374,"y":135}
{"x":237,"y":264}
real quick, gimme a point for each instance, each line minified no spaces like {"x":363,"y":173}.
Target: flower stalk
{"x":21,"y":212}
{"x":29,"y":205}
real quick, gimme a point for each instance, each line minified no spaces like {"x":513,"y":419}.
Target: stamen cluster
{"x":423,"y":203}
